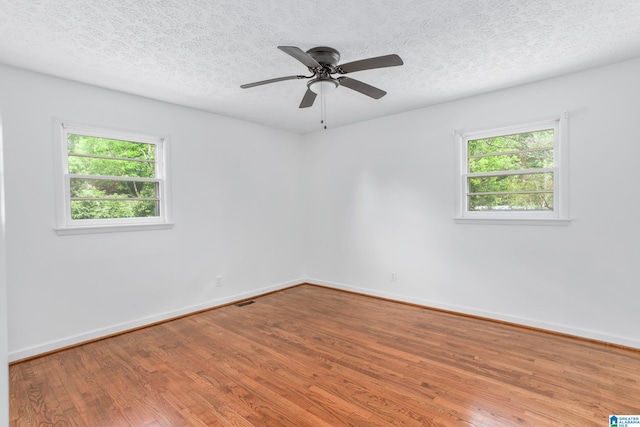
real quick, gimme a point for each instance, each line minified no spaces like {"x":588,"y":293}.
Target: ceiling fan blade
{"x":264,"y":82}
{"x":361,"y":87}
{"x":300,"y":55}
{"x":308,"y":98}
{"x":371,"y":63}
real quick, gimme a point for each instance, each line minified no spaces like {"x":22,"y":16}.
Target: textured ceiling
{"x":198,"y":52}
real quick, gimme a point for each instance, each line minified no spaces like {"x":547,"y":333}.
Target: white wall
{"x":4,"y":352}
{"x":343,"y":207}
{"x":381,"y":200}
{"x":236,"y":205}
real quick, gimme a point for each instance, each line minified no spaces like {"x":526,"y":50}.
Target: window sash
{"x":112,"y":178}
{"x":508,"y":153}
{"x":118,"y":199}
{"x":126,"y":159}
{"x":510,"y":172}
{"x":500,"y":193}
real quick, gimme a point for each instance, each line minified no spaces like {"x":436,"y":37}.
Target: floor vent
{"x":242,"y":304}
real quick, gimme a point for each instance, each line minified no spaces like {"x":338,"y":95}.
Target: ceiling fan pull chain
{"x":323,"y":109}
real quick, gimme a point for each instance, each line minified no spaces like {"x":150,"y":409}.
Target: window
{"x":514,"y":174}
{"x":111,"y":181}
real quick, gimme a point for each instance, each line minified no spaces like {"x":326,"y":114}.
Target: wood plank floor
{"x":310,"y":356}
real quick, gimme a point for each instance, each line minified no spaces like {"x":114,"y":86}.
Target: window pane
{"x":511,"y":183}
{"x":110,"y":167}
{"x":98,"y":209}
{"x":514,"y":161}
{"x":97,"y":188}
{"x":515,"y":142}
{"x":511,"y":202}
{"x":81,"y":144}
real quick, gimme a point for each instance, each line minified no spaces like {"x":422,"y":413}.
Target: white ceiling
{"x":197,"y":53}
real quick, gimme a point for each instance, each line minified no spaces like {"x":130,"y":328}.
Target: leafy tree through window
{"x":511,"y":172}
{"x":111,"y":178}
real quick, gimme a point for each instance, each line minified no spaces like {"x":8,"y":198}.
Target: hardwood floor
{"x":310,"y":356}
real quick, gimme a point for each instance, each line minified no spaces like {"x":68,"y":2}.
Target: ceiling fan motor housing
{"x":325,"y":56}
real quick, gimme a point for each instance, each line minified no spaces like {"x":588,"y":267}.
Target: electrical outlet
{"x":394,"y":277}
{"x":218,"y":281}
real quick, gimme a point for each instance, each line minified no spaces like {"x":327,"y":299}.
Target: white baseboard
{"x":552,"y":327}
{"x":49,"y":346}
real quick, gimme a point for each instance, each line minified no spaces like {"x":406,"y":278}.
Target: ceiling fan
{"x":322,"y":62}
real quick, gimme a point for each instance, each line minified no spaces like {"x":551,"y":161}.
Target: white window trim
{"x":560,"y":214}
{"x":65,"y":225}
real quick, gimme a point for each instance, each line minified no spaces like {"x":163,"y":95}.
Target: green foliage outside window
{"x":106,"y":196}
{"x":496,"y":190}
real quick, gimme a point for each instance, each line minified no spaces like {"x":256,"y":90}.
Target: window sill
{"x":97,"y":229}
{"x":514,"y":221}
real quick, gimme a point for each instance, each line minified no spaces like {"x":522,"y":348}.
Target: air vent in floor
{"x":242,"y":304}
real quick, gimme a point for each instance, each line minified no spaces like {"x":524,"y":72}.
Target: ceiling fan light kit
{"x":322,"y":86}
{"x":322,"y":63}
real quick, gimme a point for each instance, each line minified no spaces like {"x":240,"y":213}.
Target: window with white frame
{"x":514,"y":173}
{"x":111,"y":179}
